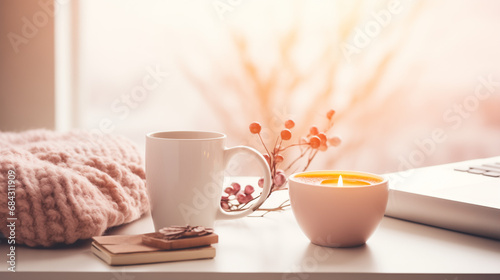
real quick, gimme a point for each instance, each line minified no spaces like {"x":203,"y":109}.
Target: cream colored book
{"x":126,"y":250}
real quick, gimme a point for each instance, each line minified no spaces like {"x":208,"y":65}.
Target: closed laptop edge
{"x":444,"y":210}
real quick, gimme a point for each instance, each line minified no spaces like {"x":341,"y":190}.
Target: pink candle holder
{"x":336,"y":215}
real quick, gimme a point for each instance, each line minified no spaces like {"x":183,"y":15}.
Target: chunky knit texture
{"x":70,"y":186}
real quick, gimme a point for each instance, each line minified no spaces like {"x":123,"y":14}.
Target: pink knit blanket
{"x":68,"y":186}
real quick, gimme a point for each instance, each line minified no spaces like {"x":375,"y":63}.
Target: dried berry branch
{"x":238,"y":199}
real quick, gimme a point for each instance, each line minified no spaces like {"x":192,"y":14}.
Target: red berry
{"x":224,"y":205}
{"x":261,"y":182}
{"x":224,"y":198}
{"x":255,"y":127}
{"x":335,"y":141}
{"x":330,"y":114}
{"x":268,"y":159}
{"x":322,"y":137}
{"x":289,"y":124}
{"x":229,"y":190}
{"x":314,"y":130}
{"x":236,"y":187}
{"x":286,"y":134}
{"x":315,"y":142}
{"x":279,"y":179}
{"x":278,"y":158}
{"x":240,"y":197}
{"x":249,"y":189}
{"x":243,"y":198}
{"x":323,"y":147}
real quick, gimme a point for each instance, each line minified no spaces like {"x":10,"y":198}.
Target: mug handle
{"x":228,"y":153}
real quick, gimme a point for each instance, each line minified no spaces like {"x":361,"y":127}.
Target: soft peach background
{"x":395,"y":92}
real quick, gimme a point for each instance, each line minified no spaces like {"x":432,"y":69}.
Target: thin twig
{"x":298,"y":158}
{"x":294,"y":145}
{"x":310,"y":159}
{"x":262,"y":141}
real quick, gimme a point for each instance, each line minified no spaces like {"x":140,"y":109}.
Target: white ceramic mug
{"x":184,"y":177}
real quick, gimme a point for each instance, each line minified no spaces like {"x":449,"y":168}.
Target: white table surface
{"x":274,"y":247}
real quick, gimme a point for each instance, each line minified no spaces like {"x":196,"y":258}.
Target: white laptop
{"x":462,"y":196}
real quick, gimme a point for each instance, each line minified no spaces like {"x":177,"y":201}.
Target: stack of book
{"x":152,"y":248}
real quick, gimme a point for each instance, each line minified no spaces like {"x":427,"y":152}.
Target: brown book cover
{"x":129,"y":249}
{"x":156,"y":239}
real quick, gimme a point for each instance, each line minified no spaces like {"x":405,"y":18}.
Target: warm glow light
{"x":349,"y":181}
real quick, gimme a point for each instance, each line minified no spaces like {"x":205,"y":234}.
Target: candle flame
{"x":341,"y":182}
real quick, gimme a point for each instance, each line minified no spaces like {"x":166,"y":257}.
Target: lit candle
{"x":337,"y":178}
{"x":338,"y":208}
{"x":347,"y":182}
